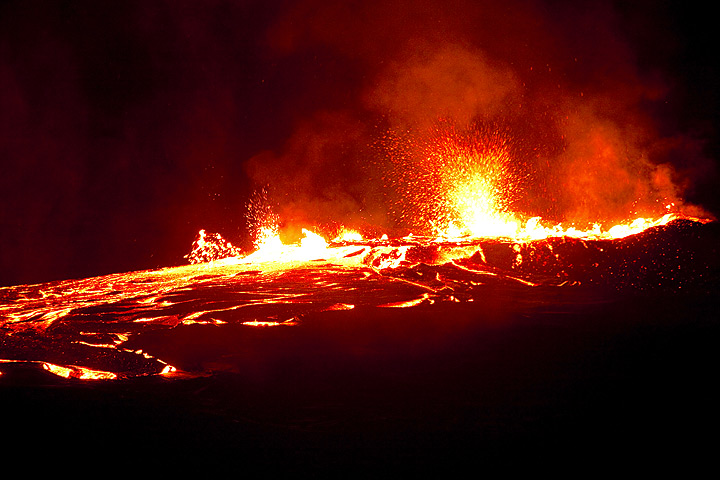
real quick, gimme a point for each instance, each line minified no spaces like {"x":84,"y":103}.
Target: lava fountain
{"x":470,"y":243}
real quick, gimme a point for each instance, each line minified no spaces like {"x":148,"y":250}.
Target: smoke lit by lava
{"x":388,"y":154}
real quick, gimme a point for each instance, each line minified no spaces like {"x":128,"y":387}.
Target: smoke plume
{"x":126,"y":127}
{"x":565,"y":80}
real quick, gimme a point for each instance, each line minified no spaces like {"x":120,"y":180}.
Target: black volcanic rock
{"x":602,"y":352}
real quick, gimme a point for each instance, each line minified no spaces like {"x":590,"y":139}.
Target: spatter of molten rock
{"x":450,"y":185}
{"x":476,"y":188}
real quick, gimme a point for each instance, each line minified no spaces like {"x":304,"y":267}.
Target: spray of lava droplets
{"x":466,"y":184}
{"x":449,"y":186}
{"x":453,"y":185}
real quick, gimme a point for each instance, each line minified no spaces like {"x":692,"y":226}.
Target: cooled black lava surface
{"x":602,"y":366}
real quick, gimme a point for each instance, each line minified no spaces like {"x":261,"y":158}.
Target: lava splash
{"x":149,"y":322}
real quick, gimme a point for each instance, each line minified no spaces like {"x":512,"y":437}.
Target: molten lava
{"x":452,"y":187}
{"x":460,"y":195}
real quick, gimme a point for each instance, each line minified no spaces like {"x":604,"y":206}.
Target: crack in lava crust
{"x":121,"y":325}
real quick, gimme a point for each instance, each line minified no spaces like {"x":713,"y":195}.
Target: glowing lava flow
{"x":350,"y":250}
{"x":535,"y":229}
{"x":477,"y":189}
{"x":107,"y":327}
{"x":461,"y":201}
{"x":469,"y":184}
{"x":448,"y":186}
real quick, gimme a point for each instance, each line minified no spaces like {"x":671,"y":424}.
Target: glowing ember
{"x":466,"y":184}
{"x":476,"y":188}
{"x":209,"y":247}
{"x":341,"y":306}
{"x":458,"y":193}
{"x":105,"y":327}
{"x":408,"y":303}
{"x":453,"y":186}
{"x":348,"y":236}
{"x":80,"y":373}
{"x":262,"y":323}
{"x":311,"y":247}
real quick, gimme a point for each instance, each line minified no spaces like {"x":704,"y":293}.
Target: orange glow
{"x":341,"y":306}
{"x":476,"y":188}
{"x":271,"y":249}
{"x":535,"y":229}
{"x":210,"y":246}
{"x":459,"y":201}
{"x":468,"y":185}
{"x":482,"y":224}
{"x":80,"y":373}
{"x":348,"y":236}
{"x":407,"y":303}
{"x":419,"y":271}
{"x":452,"y":185}
{"x":311,"y":247}
{"x":261,"y":323}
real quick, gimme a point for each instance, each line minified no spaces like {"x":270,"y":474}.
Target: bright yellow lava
{"x":80,"y":373}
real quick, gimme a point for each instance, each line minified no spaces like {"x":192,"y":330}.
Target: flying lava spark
{"x":286,"y":237}
{"x":462,"y":192}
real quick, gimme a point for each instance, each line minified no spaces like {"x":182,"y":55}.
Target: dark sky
{"x":125,"y":127}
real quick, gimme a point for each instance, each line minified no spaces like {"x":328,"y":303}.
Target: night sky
{"x":126,"y":127}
